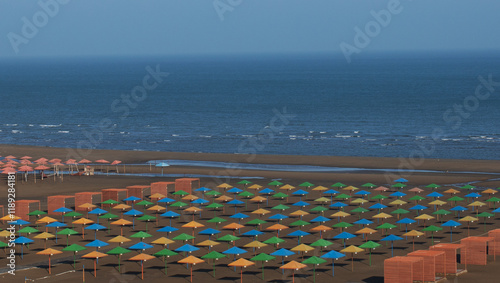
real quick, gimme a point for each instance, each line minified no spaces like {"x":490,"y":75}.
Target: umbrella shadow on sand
{"x":374,"y":279}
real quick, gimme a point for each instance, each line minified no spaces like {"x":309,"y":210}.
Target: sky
{"x":172,"y":27}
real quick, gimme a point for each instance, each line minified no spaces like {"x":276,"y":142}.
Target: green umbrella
{"x":146,"y":218}
{"x":214,"y":256}
{"x":368,"y":185}
{"x":318,"y":208}
{"x":141,"y":235}
{"x":37,"y":213}
{"x":264,"y":258}
{"x":432,"y":229}
{"x":280,"y":207}
{"x":455,"y":199}
{"x":274,"y":241}
{"x":178,"y":204}
{"x":118,"y":251}
{"x":216,"y":220}
{"x":228,"y":238}
{"x":280,"y":195}
{"x":386,"y":226}
{"x":359,"y":210}
{"x":74,"y":248}
{"x":314,"y":261}
{"x":73,"y":214}
{"x":244,"y":182}
{"x":180,"y":193}
{"x":108,"y":216}
{"x":441,"y":212}
{"x":246,"y":194}
{"x":182,"y":237}
{"x":256,"y":222}
{"x":165,"y":253}
{"x":306,"y":184}
{"x":215,"y":205}
{"x":28,"y":230}
{"x":300,"y":223}
{"x":3,"y":245}
{"x":343,"y":196}
{"x":338,"y":185}
{"x":433,"y":186}
{"x":379,"y":197}
{"x":213,"y":193}
{"x":493,"y":199}
{"x":467,"y":187}
{"x":144,"y":203}
{"x":485,"y":215}
{"x":275,"y":183}
{"x":398,"y":185}
{"x":322,"y":243}
{"x":342,"y":225}
{"x":399,"y":211}
{"x":417,"y":198}
{"x":110,"y":202}
{"x":370,"y":245}
{"x":67,"y":232}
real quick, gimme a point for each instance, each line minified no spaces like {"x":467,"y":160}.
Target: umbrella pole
{"x":142,"y":270}
{"x":191,"y":273}
{"x":49,"y":266}
{"x":95,"y":268}
{"x":119,"y":262}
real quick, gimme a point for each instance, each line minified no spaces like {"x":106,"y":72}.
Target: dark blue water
{"x":380,"y":105}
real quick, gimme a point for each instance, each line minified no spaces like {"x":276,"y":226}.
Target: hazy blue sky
{"x":122,"y":27}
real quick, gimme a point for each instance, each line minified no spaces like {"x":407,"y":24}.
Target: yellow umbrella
{"x":94,"y":255}
{"x":350,"y":189}
{"x":490,"y":191}
{"x":255,"y":244}
{"x":287,"y":187}
{"x":255,"y":187}
{"x":353,"y":250}
{"x":468,"y":219}
{"x":224,"y":186}
{"x":293,"y":265}
{"x":358,"y":201}
{"x":302,"y":248}
{"x":162,"y":241}
{"x":45,"y":236}
{"x":320,"y":188}
{"x":339,"y":214}
{"x":451,"y":191}
{"x":413,"y":233}
{"x":476,"y":204}
{"x":194,"y":225}
{"x":366,"y":230}
{"x":261,"y":211}
{"x":190,"y":197}
{"x":142,"y":258}
{"x":156,"y":196}
{"x":121,"y":207}
{"x":398,"y":202}
{"x":322,"y":199}
{"x":299,"y":213}
{"x":157,"y":209}
{"x":193,"y":210}
{"x":224,"y":198}
{"x":119,"y":239}
{"x":208,"y":243}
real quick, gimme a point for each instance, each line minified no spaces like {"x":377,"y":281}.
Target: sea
{"x":425,"y":105}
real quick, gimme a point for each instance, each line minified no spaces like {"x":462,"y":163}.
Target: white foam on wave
{"x":17,"y":132}
{"x":63,"y":132}
{"x":10,"y":125}
{"x":175,"y":135}
{"x":50,"y":126}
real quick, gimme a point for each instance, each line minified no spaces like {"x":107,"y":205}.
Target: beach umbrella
{"x":50,"y":253}
{"x":140,"y":246}
{"x":441,"y":212}
{"x":370,"y":245}
{"x":210,"y":232}
{"x":108,"y":216}
{"x":468,"y":187}
{"x":398,"y":185}
{"x":216,"y":220}
{"x":398,"y":202}
{"x":194,"y":225}
{"x":476,"y":204}
{"x":301,"y":204}
{"x":56,"y":225}
{"x":183,"y":237}
{"x":162,"y":165}
{"x":362,"y":193}
{"x":322,"y":243}
{"x":239,"y":216}
{"x":364,"y":231}
{"x":283,"y":253}
{"x":121,"y":223}
{"x":378,"y":206}
{"x":386,"y":226}
{"x":258,"y":200}
{"x":263,"y":257}
{"x":119,"y":239}
{"x":28,"y":230}
{"x":299,"y":234}
{"x":255,"y":244}
{"x":68,"y":232}
{"x":261,"y":212}
{"x":233,"y":226}
{"x":121,"y":207}
{"x":413,"y":234}
{"x":166,"y":201}
{"x":267,"y":192}
{"x":281,"y":195}
{"x":319,"y":208}
{"x":468,"y":219}
{"x":363,"y":222}
{"x":485,"y":215}
{"x":405,"y":221}
{"x":344,"y":236}
{"x":142,"y":235}
{"x":331,"y":192}
{"x":277,"y":228}
{"x":278,"y":217}
{"x":255,"y":187}
{"x":314,"y":261}
{"x":74,"y":248}
{"x":98,"y":212}
{"x":165,"y":253}
{"x":134,"y":213}
{"x":252,"y":233}
{"x":369,"y":185}
{"x":170,"y":214}
{"x":37,"y":213}
{"x":417,"y":198}
{"x":339,"y":214}
{"x":451,"y":224}
{"x":274,"y":241}
{"x":132,"y":199}
{"x":97,"y":244}
{"x":458,"y":209}
{"x":400,"y":211}
{"x":234,"y":251}
{"x":381,"y":216}
{"x":292,"y":265}
{"x":306,"y":184}
{"x":281,"y":207}
{"x":235,"y":202}
{"x":83,"y":221}
{"x":87,"y":206}
{"x":391,"y":238}
{"x":213,"y":256}
{"x":22,"y":240}
{"x":119,"y":251}
{"x":63,"y":210}
{"x":334,"y":256}
{"x":321,"y":229}
{"x":493,"y":200}
{"x":338,"y":185}
{"x":243,"y":263}
{"x":300,"y":193}
{"x":300,"y":223}
{"x":397,"y":194}
{"x":44,"y":236}
{"x":228,"y":238}
{"x":432,"y":229}
{"x":215,"y":206}
{"x":96,"y":227}
{"x":95,"y":256}
{"x":142,"y":258}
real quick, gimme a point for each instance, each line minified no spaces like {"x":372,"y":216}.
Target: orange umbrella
{"x":83,"y":221}
{"x":94,"y":255}
{"x":122,"y":222}
{"x":233,"y":226}
{"x":191,"y":260}
{"x":321,"y":228}
{"x":49,"y":252}
{"x":142,"y":258}
{"x":277,"y":228}
{"x":243,"y":263}
{"x":157,"y":208}
{"x":193,"y":210}
{"x":122,"y":207}
{"x":45,"y":220}
{"x":293,"y":265}
{"x":194,"y":225}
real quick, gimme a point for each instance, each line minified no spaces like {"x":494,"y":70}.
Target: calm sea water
{"x":379,"y":105}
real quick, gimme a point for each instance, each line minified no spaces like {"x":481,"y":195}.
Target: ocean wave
{"x":63,"y":132}
{"x":204,"y":136}
{"x":17,"y":132}
{"x":10,"y":125}
{"x":50,"y":126}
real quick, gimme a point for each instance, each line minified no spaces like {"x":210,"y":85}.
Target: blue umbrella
{"x":363,"y":222}
{"x":344,"y":236}
{"x":140,"y":246}
{"x":19,"y":222}
{"x":132,"y":199}
{"x":451,"y":224}
{"x":331,"y":192}
{"x":496,"y":210}
{"x":133,"y":213}
{"x":234,"y":191}
{"x":434,"y":195}
{"x":298,"y":234}
{"x":400,"y":180}
{"x":391,"y":238}
{"x":362,"y":193}
{"x":203,"y":190}
{"x":278,"y":217}
{"x":96,"y":227}
{"x":301,"y":204}
{"x":458,"y":209}
{"x":333,"y":255}
{"x":406,"y":221}
{"x":162,"y":165}
{"x":200,"y":201}
{"x":252,"y":233}
{"x":300,"y":193}
{"x":320,"y":219}
{"x":209,"y":232}
{"x":170,"y":214}
{"x":267,"y":191}
{"x":338,"y":205}
{"x":63,"y":210}
{"x":97,"y":211}
{"x":187,"y":248}
{"x":239,"y":216}
{"x":283,"y":253}
{"x":166,"y":201}
{"x":236,"y":202}
{"x":418,"y":207}
{"x":473,"y":195}
{"x":397,"y":194}
{"x":97,"y":244}
{"x":56,"y":224}
{"x":22,"y":240}
{"x":378,"y":206}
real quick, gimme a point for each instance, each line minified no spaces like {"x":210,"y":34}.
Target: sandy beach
{"x":482,"y":173}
